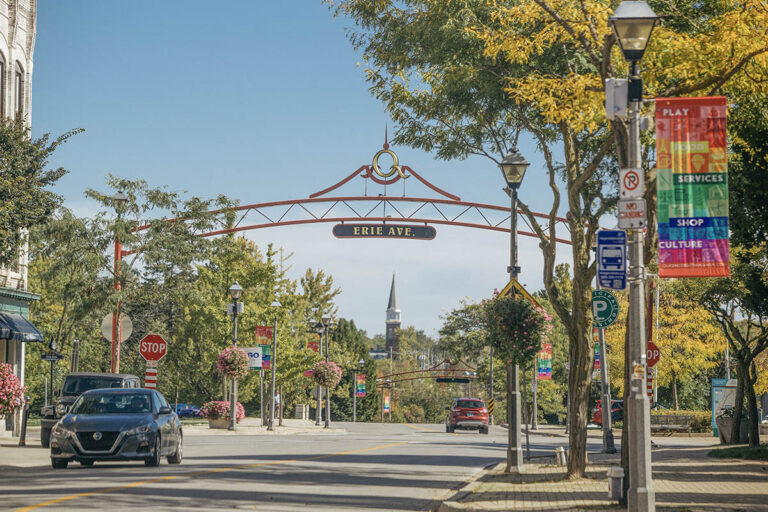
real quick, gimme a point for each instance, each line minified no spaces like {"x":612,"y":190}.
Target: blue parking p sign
{"x":612,"y":259}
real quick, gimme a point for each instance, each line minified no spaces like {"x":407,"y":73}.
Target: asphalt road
{"x":370,"y":467}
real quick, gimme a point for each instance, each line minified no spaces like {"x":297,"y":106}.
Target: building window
{"x":19,"y":92}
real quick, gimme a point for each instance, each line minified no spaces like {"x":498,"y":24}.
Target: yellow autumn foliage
{"x":690,"y":342}
{"x":719,"y":54}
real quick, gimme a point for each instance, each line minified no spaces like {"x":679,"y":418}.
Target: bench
{"x":671,"y":423}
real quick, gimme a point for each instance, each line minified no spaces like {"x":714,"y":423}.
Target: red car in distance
{"x":617,"y":411}
{"x":467,"y":414}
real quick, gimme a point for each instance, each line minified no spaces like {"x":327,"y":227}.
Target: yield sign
{"x":153,"y":347}
{"x":653,"y":355}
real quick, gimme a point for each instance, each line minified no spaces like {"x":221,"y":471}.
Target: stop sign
{"x":153,"y":347}
{"x":653,"y":355}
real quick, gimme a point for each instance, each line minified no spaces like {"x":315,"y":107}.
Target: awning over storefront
{"x":18,"y":328}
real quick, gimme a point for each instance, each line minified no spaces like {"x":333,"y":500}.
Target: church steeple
{"x":393,"y":317}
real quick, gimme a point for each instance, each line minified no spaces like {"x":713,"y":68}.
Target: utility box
{"x":616,"y":93}
{"x":616,"y":483}
{"x":302,"y":411}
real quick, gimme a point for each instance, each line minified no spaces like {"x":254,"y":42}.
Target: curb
{"x":451,"y":504}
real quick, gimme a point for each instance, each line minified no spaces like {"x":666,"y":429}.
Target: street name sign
{"x":653,"y":355}
{"x":605,"y":308}
{"x":51,"y":356}
{"x":384,"y":231}
{"x":631,"y":184}
{"x":631,"y":213}
{"x":153,"y":347}
{"x":612,"y":259}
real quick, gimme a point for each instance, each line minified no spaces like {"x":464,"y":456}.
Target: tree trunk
{"x":738,"y":404}
{"x":674,"y":392}
{"x":579,"y":382}
{"x":752,"y":428}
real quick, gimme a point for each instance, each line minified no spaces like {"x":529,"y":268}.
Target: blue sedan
{"x":117,"y":424}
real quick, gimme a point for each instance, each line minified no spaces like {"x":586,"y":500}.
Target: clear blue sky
{"x":259,"y":101}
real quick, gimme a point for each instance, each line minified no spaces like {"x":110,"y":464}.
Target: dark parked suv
{"x":75,"y":384}
{"x":468,"y":414}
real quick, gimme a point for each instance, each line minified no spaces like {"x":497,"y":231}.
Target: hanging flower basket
{"x":328,"y":375}
{"x":11,"y":390}
{"x":515,"y":328}
{"x":217,"y":413}
{"x":233,"y":363}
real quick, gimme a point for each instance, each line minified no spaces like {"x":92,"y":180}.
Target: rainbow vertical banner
{"x":692,"y":187}
{"x":596,"y":364}
{"x":387,"y":407}
{"x":545,"y":362}
{"x":360,"y":385}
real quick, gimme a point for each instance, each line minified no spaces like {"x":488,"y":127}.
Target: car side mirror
{"x":164,"y":410}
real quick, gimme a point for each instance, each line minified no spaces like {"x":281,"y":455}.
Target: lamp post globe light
{"x":513,"y":168}
{"x":235,"y":291}
{"x":632,"y":25}
{"x":119,"y":201}
{"x":275,"y":306}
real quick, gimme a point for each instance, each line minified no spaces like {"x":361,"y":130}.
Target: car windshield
{"x":76,"y":386}
{"x":470,"y":404}
{"x":128,"y":403}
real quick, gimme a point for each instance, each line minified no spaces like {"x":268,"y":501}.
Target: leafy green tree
{"x":25,"y":200}
{"x":468,"y":77}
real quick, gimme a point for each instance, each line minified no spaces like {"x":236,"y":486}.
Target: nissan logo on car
{"x":97,"y":436}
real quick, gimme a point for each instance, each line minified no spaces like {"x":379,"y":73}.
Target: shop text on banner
{"x":692,"y":187}
{"x":545,"y":362}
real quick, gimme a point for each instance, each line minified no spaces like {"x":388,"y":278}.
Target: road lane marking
{"x":421,"y":428}
{"x":198,"y":473}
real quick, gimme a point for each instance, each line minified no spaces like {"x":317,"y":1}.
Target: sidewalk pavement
{"x":33,"y":455}
{"x":684,"y":479}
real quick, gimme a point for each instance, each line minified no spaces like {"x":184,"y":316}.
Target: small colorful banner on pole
{"x":314,"y":343}
{"x":596,"y":366}
{"x":266,"y":357}
{"x":692,"y":187}
{"x":360,"y":385}
{"x":387,"y":407}
{"x":545,"y":362}
{"x":263,"y":334}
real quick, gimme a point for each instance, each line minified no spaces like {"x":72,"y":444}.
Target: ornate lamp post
{"x":119,"y":200}
{"x":360,"y":364}
{"x":513,"y":168}
{"x":320,"y":330}
{"x":633,"y":24}
{"x":235,"y":291}
{"x":328,"y":325}
{"x":273,"y":365}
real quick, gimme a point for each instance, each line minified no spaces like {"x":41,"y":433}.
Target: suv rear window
{"x":470,"y":404}
{"x":76,"y":386}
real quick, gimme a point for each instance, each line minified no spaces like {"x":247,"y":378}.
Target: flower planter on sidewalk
{"x":218,"y":423}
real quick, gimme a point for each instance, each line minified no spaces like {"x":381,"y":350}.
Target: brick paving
{"x":684,"y":478}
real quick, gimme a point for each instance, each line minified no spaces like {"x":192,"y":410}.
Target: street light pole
{"x":273,"y":366}
{"x":327,"y":323}
{"x":490,"y":388}
{"x":320,"y":329}
{"x":633,"y":24}
{"x":120,"y":200}
{"x":236,"y":292}
{"x":513,"y":168}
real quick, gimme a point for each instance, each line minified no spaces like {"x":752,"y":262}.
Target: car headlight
{"x":61,"y":409}
{"x":144,"y":429}
{"x":60,"y":430}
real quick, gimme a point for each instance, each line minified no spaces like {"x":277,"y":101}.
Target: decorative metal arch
{"x":446,"y":209}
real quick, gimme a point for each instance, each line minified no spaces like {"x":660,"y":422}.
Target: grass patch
{"x":741,"y":452}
